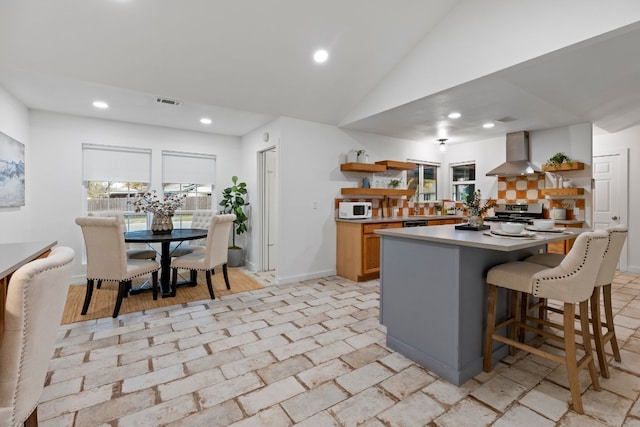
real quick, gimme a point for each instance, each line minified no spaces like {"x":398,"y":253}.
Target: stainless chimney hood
{"x":517,"y":157}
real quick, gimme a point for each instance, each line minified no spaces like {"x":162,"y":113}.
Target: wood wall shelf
{"x":354,"y":191}
{"x":564,"y":167}
{"x":362,"y":167}
{"x":563,"y":192}
{"x":392,"y":164}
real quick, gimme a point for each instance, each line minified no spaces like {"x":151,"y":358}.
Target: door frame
{"x":623,"y":196}
{"x":262,"y":200}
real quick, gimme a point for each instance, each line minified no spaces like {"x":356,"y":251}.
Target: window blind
{"x":188,"y":168}
{"x":111,"y":163}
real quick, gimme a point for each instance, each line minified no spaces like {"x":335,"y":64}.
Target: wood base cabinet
{"x":358,"y":249}
{"x":564,"y":246}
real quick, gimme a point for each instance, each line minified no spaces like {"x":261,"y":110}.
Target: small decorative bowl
{"x":513,"y":227}
{"x":543,"y":224}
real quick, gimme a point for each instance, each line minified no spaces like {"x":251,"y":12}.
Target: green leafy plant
{"x":557,"y":159}
{"x":473,"y":202}
{"x":394,"y":183}
{"x":233,"y":202}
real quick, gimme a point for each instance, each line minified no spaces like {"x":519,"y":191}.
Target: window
{"x":423,"y":180}
{"x":192,"y":174}
{"x":463,"y":181}
{"x":112,"y":176}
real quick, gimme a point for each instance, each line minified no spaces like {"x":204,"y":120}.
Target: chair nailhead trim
{"x":536,"y":288}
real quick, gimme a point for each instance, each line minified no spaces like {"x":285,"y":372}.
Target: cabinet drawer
{"x":368,"y":228}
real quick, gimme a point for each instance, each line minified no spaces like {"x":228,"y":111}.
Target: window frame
{"x":420,"y":194}
{"x":455,"y":183}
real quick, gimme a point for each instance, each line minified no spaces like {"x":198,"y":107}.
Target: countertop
{"x":447,"y":234}
{"x":376,"y":220}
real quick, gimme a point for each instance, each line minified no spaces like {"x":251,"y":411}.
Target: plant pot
{"x":234,"y":257}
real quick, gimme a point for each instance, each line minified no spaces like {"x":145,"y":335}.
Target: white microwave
{"x":354,"y":210}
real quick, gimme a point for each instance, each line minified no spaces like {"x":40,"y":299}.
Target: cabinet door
{"x":370,"y":253}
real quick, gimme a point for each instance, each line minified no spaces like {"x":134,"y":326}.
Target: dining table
{"x":165,"y":239}
{"x":12,"y":257}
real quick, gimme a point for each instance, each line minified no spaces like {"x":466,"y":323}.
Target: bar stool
{"x":571,"y":282}
{"x":617,"y":238}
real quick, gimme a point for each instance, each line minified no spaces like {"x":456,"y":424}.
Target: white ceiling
{"x":245,"y":62}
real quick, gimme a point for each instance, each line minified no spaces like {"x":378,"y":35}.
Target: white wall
{"x":309,"y":175}
{"x":497,"y":34}
{"x":15,"y":225}
{"x":55,"y":166}
{"x":627,"y":139}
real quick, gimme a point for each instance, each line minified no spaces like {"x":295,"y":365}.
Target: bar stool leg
{"x":597,"y":332}
{"x":586,"y":341}
{"x":608,"y":313}
{"x":570,"y":357}
{"x":492,"y":294}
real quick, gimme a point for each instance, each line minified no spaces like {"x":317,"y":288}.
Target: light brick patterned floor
{"x":309,"y":354}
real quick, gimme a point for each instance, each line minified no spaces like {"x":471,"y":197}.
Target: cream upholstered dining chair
{"x":36,"y":297}
{"x":571,"y":282}
{"x":617,"y":237}
{"x":107,"y":259}
{"x":199,"y":220}
{"x":214,"y":255}
{"x":132,"y":252}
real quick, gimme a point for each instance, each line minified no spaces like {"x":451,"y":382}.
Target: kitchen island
{"x":433,"y":293}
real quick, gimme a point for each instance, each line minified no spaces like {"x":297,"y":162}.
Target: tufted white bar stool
{"x":571,"y":282}
{"x":617,"y":237}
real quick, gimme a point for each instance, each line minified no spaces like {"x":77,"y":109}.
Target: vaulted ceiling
{"x":245,"y":62}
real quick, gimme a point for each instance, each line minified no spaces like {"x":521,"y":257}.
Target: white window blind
{"x":188,"y":168}
{"x":111,"y":163}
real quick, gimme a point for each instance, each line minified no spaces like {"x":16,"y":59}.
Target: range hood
{"x":517,"y":157}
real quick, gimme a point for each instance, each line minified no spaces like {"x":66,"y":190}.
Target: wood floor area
{"x":104,"y":299}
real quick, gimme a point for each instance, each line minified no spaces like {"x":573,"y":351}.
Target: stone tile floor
{"x":308,"y":354}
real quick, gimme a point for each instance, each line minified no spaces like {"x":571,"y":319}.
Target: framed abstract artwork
{"x":11,"y":172}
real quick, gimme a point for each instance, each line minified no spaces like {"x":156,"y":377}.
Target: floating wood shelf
{"x":563,"y":191}
{"x":392,"y":164}
{"x":362,"y":167}
{"x":568,"y":166}
{"x":352,"y":191}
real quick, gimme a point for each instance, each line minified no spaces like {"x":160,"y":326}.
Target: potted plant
{"x":556,"y":161}
{"x":233,"y":202}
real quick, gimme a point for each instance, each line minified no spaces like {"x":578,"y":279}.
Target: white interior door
{"x":269,"y":213}
{"x":610,"y":192}
{"x":271,"y":197}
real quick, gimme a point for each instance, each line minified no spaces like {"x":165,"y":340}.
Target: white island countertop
{"x":447,"y":234}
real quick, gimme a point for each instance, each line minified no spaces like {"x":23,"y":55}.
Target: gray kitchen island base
{"x":433,"y":301}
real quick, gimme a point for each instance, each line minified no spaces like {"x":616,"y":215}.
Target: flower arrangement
{"x":150,"y":202}
{"x":473,"y":201}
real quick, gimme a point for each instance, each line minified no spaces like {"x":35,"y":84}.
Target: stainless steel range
{"x":516,"y":212}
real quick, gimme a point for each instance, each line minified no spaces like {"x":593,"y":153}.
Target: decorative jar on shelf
{"x":161,"y":224}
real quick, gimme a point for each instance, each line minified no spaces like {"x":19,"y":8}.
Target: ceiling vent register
{"x":168,"y":101}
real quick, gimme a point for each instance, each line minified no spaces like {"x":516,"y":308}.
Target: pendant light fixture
{"x":442,"y":146}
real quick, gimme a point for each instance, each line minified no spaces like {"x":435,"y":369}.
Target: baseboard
{"x":302,"y":277}
{"x":633,"y":269}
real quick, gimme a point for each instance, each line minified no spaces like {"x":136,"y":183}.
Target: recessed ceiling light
{"x":205,"y":121}
{"x":100,"y":104}
{"x":488,"y":125}
{"x":454,"y":115}
{"x":320,"y":56}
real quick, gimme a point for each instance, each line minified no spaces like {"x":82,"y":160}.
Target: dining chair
{"x":571,"y":282}
{"x":107,"y":259}
{"x":36,"y":297}
{"x":214,"y":254}
{"x":132,"y":252}
{"x":617,"y":237}
{"x":200,"y":220}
